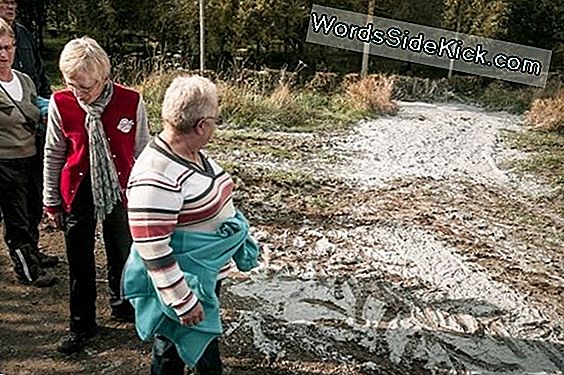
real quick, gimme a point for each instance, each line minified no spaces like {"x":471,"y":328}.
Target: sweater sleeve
{"x":153,"y":214}
{"x":142,"y":136}
{"x":54,"y":160}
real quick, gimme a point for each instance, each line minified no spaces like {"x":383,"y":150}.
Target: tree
{"x":33,"y":14}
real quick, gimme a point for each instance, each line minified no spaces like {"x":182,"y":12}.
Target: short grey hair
{"x":187,"y":100}
{"x":86,"y":56}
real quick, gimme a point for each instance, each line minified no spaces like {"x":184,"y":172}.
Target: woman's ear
{"x":199,"y":127}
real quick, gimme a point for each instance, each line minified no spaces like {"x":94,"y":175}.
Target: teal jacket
{"x":201,"y":256}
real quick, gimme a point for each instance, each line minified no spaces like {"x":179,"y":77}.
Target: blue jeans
{"x":166,"y":361}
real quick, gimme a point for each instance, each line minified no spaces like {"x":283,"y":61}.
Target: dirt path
{"x":402,"y":248}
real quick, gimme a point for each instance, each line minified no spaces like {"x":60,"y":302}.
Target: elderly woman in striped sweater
{"x":95,"y":130}
{"x":186,"y":230}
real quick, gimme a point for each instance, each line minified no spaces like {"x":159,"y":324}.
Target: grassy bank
{"x":545,"y":159}
{"x":285,"y":106}
{"x":544,"y":143}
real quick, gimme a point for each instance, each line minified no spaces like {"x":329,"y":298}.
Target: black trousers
{"x":166,"y":360}
{"x":80,"y":234}
{"x":22,"y":209}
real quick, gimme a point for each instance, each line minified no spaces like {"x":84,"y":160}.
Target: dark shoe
{"x":224,"y":371}
{"x":44,"y":280}
{"x":73,"y":342}
{"x":123,"y":313}
{"x":26,"y":264}
{"x":124,"y":318}
{"x":47,"y":261}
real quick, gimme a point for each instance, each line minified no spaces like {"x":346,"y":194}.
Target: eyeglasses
{"x":82,"y":89}
{"x":218,"y":120}
{"x":8,"y":48}
{"x":9,"y":2}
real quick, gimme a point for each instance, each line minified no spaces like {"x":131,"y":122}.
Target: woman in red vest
{"x":96,"y":128}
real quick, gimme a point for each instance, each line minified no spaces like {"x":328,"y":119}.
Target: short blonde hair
{"x":86,"y":56}
{"x":187,"y":100}
{"x":6,"y":29}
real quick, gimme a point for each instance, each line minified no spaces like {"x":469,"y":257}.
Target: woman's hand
{"x":195,"y":316}
{"x":58,"y":219}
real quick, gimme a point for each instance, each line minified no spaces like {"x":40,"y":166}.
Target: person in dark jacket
{"x":27,"y":59}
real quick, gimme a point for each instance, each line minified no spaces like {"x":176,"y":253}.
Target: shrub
{"x":505,"y":96}
{"x":547,"y":113}
{"x":373,"y":94}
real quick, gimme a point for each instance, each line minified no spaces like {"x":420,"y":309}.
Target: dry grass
{"x":323,"y":81}
{"x":282,"y":106}
{"x":547,"y":113}
{"x":373,"y":93}
{"x":285,"y":107}
{"x":281,"y":96}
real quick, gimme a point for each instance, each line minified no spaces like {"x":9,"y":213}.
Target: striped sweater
{"x":200,"y":255}
{"x":168,"y":193}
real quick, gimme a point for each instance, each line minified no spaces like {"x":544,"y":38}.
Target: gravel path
{"x":431,"y":140}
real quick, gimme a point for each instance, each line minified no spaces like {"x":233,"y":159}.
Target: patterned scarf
{"x":105,"y":182}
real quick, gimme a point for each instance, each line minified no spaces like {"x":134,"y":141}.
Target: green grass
{"x":292,"y":179}
{"x":502,"y":97}
{"x":248,"y":143}
{"x":545,"y":158}
{"x":536,"y":141}
{"x":265,"y":149}
{"x":247,"y":107}
{"x":274,"y":178}
{"x":296,"y":111}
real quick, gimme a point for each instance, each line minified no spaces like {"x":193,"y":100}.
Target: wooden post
{"x":366,"y":50}
{"x":202,"y":47}
{"x":458,"y":20}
